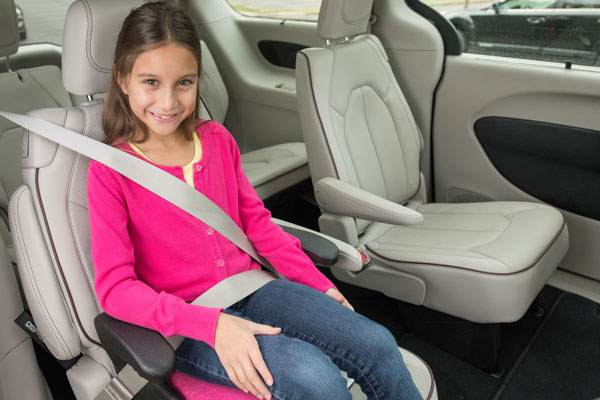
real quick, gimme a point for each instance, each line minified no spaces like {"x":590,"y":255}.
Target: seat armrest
{"x":145,"y":350}
{"x":341,"y":198}
{"x":348,"y":259}
{"x":320,"y":250}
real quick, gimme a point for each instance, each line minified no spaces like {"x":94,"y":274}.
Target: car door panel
{"x":496,"y":88}
{"x":538,"y":157}
{"x":262,"y":95}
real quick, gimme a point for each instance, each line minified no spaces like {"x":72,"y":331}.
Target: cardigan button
{"x":198,"y":167}
{"x":210,"y":231}
{"x":220,"y":263}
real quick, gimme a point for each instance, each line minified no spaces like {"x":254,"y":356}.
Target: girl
{"x":288,"y":339}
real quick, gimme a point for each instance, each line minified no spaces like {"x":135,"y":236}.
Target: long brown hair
{"x":147,"y":27}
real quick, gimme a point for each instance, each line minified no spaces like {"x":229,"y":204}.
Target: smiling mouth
{"x":163,"y":117}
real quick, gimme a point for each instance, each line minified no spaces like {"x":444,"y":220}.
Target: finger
{"x":254,"y":380}
{"x":233,"y":377}
{"x":347,"y":304}
{"x":337,"y":296}
{"x":260,"y":329}
{"x":240,"y":371}
{"x":260,"y":365}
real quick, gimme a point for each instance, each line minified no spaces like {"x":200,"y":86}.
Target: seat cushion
{"x":275,"y":168}
{"x":484,"y":262}
{"x":494,"y":237}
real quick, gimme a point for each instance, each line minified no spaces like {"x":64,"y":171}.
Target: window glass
{"x":41,"y":21}
{"x":307,"y":10}
{"x":525,"y":4}
{"x":565,"y":31}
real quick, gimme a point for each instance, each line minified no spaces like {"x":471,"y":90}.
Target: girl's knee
{"x":302,"y":371}
{"x":378,"y":340}
{"x":319,"y":379}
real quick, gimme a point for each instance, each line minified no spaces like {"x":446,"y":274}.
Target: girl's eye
{"x":185,"y":82}
{"x":152,"y":82}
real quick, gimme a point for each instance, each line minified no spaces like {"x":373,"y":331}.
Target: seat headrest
{"x":89,"y":39}
{"x":342,"y":18}
{"x":9,"y":30}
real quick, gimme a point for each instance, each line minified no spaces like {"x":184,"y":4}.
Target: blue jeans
{"x":318,"y":337}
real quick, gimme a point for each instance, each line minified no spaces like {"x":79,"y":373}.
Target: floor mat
{"x":563,"y":361}
{"x":454,"y":378}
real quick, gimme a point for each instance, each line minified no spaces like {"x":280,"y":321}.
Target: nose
{"x":168,"y":99}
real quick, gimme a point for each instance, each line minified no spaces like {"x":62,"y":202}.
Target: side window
{"x":564,"y":31}
{"x":41,"y":21}
{"x":305,"y":10}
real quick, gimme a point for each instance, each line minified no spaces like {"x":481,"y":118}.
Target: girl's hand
{"x":337,"y":296}
{"x":239,"y":353}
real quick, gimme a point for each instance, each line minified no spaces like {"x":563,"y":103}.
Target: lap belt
{"x":225,"y":293}
{"x":127,"y":383}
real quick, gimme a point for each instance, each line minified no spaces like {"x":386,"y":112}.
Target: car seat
{"x":270,"y":169}
{"x":21,"y":91}
{"x":484,"y":262}
{"x":50,"y":225}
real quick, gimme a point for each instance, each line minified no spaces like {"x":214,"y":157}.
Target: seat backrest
{"x":213,"y":93}
{"x":356,"y":123}
{"x":20,"y":91}
{"x":48,"y":214}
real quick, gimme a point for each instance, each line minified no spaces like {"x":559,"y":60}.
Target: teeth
{"x":163,"y":116}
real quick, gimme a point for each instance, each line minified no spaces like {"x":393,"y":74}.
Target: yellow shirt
{"x":188,"y":169}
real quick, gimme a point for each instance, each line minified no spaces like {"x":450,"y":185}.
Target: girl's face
{"x":162,"y":88}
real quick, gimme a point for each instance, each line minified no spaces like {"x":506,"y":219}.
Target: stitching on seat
{"x":60,"y":269}
{"x":403,"y":102}
{"x":483,"y":272}
{"x":405,"y":169}
{"x":312,"y":92}
{"x":392,"y":246}
{"x":77,"y":244}
{"x":28,"y":267}
{"x":449,"y":230}
{"x":428,"y":369}
{"x":372,"y":141}
{"x":88,"y":42}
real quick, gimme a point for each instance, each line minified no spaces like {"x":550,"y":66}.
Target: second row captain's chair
{"x":270,"y":169}
{"x":484,"y":262}
{"x":50,"y":224}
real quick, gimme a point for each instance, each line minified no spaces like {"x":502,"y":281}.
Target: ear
{"x":122,"y":81}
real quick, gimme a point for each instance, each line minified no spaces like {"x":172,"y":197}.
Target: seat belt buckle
{"x":364,"y":258}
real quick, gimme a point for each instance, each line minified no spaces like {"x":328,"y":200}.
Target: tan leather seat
{"x":484,"y":262}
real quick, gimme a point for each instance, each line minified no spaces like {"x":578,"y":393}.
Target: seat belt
{"x":222,"y":295}
{"x":147,"y":175}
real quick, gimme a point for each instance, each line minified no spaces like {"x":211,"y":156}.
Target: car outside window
{"x":306,"y":10}
{"x":564,"y":31}
{"x":42,"y":20}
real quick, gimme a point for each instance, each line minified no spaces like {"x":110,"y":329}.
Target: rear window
{"x":41,"y":21}
{"x":307,"y":10}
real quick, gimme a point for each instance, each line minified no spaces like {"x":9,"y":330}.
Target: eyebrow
{"x":146,"y":75}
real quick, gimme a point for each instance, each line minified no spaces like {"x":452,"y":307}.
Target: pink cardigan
{"x":151,"y":258}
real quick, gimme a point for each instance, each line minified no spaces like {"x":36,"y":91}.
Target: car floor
{"x":550,"y":353}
